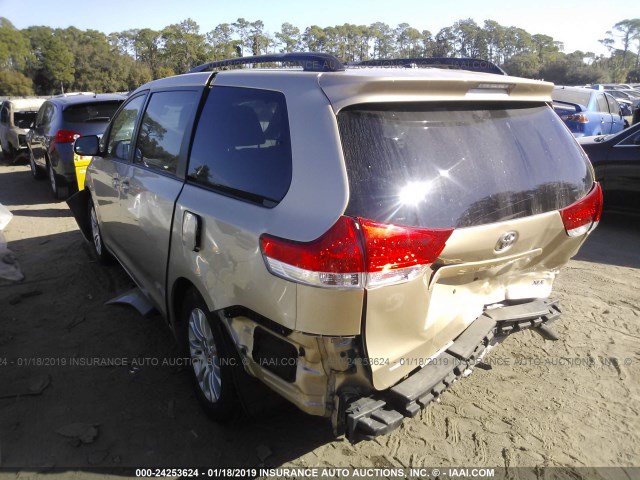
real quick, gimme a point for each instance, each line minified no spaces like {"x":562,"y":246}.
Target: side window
{"x":602,"y":103}
{"x":40,"y":115}
{"x":614,"y":107}
{"x":4,"y":114}
{"x":163,"y":128}
{"x":242,"y":144}
{"x":124,"y":123}
{"x":47,"y":114}
{"x":633,"y":140}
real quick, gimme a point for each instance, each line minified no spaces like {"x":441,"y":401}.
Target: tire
{"x":7,"y":153}
{"x":14,"y":153}
{"x":36,"y":171}
{"x":60,"y":191}
{"x":99,"y":250}
{"x":212,"y":359}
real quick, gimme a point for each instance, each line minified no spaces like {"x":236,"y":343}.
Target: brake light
{"x":584,"y":215}
{"x":355,"y":253}
{"x":578,"y":117}
{"x":66,"y":136}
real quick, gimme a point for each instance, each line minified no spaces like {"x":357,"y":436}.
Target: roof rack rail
{"x":310,"y":62}
{"x":462,"y":63}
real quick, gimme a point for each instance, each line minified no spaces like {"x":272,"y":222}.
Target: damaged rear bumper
{"x":369,"y":417}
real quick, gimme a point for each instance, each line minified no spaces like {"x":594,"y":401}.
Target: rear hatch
{"x":83,"y":119}
{"x":89,"y":118}
{"x":495,"y":172}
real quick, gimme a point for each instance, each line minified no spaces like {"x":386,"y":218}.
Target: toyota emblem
{"x":506,"y":240}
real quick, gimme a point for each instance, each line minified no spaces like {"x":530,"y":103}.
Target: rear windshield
{"x":91,"y":112}
{"x":461,"y":165}
{"x":571,"y":96}
{"x":24,"y":119}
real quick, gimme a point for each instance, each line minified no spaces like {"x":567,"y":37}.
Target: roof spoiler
{"x":310,"y":62}
{"x":562,"y":103}
{"x":472,"y":64}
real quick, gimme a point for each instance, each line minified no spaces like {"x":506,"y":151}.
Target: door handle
{"x":191,"y":228}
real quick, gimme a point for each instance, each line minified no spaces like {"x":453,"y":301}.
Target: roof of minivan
{"x":26,"y":103}
{"x":377,"y":84}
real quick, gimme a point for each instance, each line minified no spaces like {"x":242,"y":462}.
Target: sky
{"x":578,"y":24}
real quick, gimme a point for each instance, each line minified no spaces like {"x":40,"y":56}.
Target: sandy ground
{"x":570,"y":403}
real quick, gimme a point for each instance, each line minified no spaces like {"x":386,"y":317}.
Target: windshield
{"x":459,"y":165}
{"x":91,"y":112}
{"x":571,"y":96}
{"x":24,"y":119}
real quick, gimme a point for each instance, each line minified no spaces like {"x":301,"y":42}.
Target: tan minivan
{"x":356,"y":238}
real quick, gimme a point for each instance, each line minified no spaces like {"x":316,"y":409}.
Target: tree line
{"x":42,"y":60}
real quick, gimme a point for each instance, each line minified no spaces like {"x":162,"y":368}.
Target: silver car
{"x":355,"y":238}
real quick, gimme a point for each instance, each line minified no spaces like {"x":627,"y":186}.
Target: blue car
{"x":587,"y":112}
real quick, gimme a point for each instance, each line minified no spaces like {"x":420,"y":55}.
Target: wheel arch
{"x":179,"y":288}
{"x":79,"y":205}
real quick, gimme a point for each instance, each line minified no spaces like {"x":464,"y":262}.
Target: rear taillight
{"x":335,"y":259}
{"x":396,"y":254}
{"x":584,"y":215}
{"x":356,"y":253}
{"x":66,"y":136}
{"x":578,"y":117}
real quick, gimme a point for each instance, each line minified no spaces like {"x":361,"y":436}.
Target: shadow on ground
{"x":616,"y":241}
{"x":108,"y":367}
{"x":31,"y":191}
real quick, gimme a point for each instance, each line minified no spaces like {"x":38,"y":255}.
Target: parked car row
{"x":597,"y":109}
{"x":616,"y":160}
{"x":59,"y":121}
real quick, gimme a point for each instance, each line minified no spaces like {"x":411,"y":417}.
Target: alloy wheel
{"x":204,"y":355}
{"x":95,"y":232}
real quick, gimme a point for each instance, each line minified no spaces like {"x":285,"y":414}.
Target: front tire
{"x":7,"y":153}
{"x":99,"y":250}
{"x":212,"y":359}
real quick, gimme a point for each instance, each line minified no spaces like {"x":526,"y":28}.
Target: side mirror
{"x":89,"y":146}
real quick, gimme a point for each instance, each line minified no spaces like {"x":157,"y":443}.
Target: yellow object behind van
{"x":81,"y":163}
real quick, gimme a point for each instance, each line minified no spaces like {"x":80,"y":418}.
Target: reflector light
{"x":66,"y":136}
{"x":584,"y":215}
{"x":355,"y":253}
{"x":578,"y":117}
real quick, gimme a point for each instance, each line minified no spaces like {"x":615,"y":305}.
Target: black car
{"x":60,"y":120}
{"x":616,"y":159}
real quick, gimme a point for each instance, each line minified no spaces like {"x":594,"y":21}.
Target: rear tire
{"x":212,"y":359}
{"x":36,"y":171}
{"x":60,"y":191}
